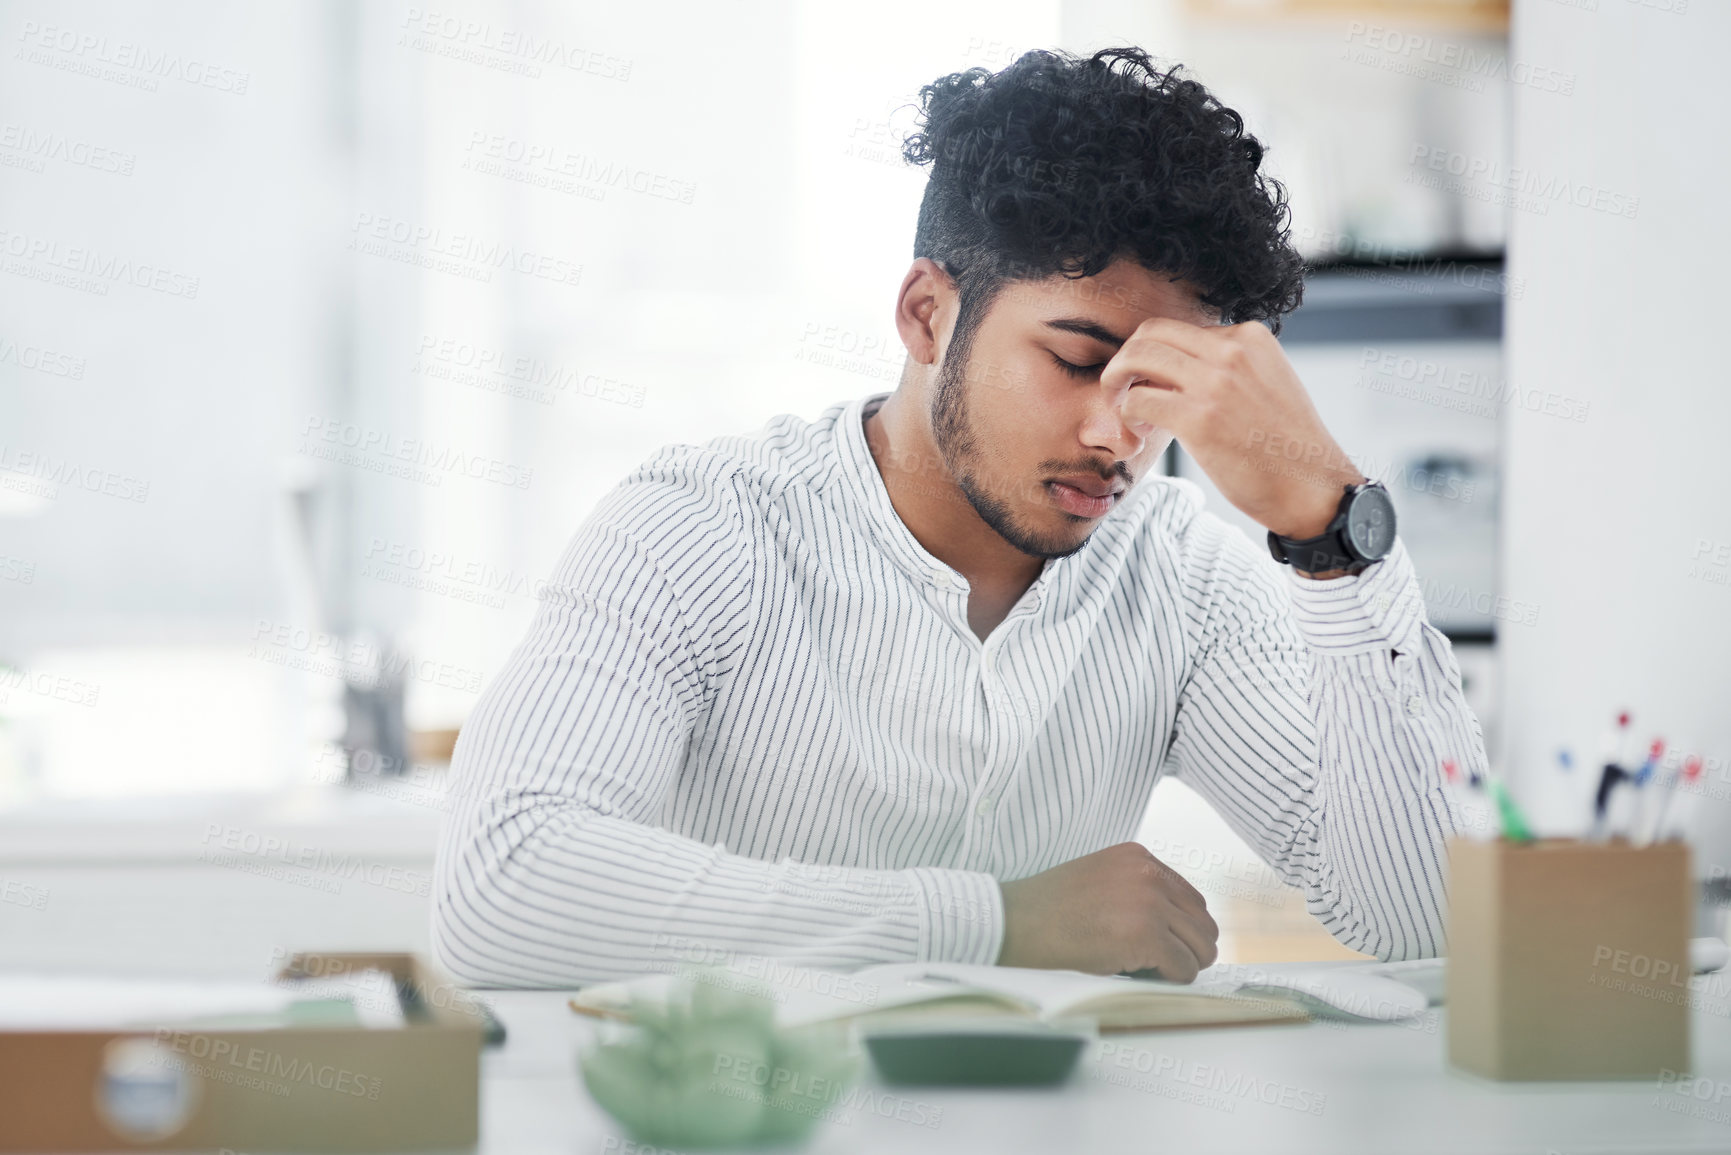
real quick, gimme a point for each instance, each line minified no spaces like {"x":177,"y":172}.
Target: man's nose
{"x":1104,"y":428}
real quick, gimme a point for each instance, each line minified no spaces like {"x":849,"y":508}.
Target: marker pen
{"x":1674,"y":821}
{"x":1648,"y":795}
{"x":1515,"y":827}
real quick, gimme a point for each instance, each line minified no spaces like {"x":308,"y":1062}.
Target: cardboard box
{"x":1569,"y":959}
{"x":334,"y":1089}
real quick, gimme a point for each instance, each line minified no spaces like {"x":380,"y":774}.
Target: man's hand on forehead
{"x":1233,"y":400}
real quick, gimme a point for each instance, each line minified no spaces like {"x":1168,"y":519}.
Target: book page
{"x":1118,"y":1002}
{"x":801,"y":995}
{"x":1050,"y":993}
{"x":804,"y":996}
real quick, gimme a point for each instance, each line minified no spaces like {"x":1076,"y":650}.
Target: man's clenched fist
{"x":1116,"y":910}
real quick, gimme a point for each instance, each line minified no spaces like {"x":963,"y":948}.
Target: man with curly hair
{"x":896,"y":684}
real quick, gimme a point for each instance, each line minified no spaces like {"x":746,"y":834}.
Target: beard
{"x":960,"y":449}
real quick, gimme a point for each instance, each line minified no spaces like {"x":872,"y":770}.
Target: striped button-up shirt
{"x":751,"y":718}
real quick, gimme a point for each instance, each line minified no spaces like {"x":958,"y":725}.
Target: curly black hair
{"x":1060,"y":165}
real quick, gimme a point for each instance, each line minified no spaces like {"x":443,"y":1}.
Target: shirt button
{"x":941,"y":576}
{"x":1414,"y":705}
{"x":984,"y":807}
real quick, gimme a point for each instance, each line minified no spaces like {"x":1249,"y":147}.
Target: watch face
{"x":1370,"y":523}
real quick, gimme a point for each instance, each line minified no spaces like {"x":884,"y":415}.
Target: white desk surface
{"x":1346,"y":1089}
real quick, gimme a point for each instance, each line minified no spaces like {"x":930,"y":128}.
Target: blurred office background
{"x":323,"y":325}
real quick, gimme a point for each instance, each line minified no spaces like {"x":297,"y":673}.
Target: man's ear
{"x":927,"y":295}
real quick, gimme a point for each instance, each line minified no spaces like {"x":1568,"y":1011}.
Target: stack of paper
{"x":30,"y":1002}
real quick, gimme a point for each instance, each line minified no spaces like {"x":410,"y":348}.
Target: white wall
{"x":332,"y":211}
{"x":209,"y":164}
{"x":1604,"y":518}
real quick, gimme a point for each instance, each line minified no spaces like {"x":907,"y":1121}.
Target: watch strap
{"x":1328,"y":551}
{"x":1314,"y":555}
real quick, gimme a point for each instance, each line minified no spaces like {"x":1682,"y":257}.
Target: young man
{"x":896,"y":684}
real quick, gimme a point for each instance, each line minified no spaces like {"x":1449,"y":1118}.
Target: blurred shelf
{"x":195,"y":828}
{"x":1484,"y":16}
{"x":1274,"y":928}
{"x":432,"y":746}
{"x":1441,"y":296}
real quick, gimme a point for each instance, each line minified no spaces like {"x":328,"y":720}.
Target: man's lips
{"x":1090,"y":485}
{"x":1084,"y":496}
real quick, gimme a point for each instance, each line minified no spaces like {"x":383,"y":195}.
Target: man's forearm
{"x":1389,"y":709}
{"x":564,"y":896}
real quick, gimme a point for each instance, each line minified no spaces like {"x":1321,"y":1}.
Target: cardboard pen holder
{"x":1569,"y":959}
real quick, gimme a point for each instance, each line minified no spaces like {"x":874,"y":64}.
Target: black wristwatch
{"x":1362,"y":532}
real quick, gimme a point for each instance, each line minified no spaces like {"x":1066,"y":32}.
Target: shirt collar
{"x":866,"y":484}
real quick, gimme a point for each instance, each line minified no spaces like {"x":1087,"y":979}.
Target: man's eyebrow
{"x":1087,"y":328}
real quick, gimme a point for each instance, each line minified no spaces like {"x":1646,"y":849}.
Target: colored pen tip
{"x":1623,"y":718}
{"x":1567,"y":759}
{"x":1656,"y":749}
{"x":1692,"y":767}
{"x":1450,"y":770}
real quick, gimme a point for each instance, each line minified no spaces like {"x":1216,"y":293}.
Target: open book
{"x":903,"y":990}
